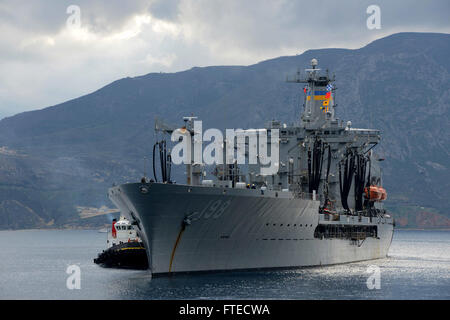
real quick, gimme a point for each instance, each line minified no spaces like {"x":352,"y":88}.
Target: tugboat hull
{"x":130,"y":255}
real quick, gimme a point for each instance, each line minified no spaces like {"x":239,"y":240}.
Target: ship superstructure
{"x":323,"y":204}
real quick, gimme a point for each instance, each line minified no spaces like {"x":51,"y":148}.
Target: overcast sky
{"x":46,"y":58}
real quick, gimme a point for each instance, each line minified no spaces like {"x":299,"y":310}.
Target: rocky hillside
{"x":55,"y":159}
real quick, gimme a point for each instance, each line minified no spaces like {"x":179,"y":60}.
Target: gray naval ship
{"x":322,"y":206}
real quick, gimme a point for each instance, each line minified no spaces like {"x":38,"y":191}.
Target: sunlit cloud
{"x":45,"y":62}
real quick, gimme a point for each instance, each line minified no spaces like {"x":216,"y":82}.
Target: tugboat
{"x":125,"y":248}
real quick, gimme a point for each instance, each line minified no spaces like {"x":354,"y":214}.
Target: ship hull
{"x":196,"y":228}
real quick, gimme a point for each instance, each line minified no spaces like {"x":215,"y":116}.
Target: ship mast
{"x":319,"y":101}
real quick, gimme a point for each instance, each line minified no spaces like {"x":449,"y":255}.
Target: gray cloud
{"x":165,"y":9}
{"x":44,"y":63}
{"x":49,"y":16}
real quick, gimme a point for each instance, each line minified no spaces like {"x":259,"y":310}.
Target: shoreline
{"x":106,"y":227}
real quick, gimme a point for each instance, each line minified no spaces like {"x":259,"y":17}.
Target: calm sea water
{"x":33,"y":266}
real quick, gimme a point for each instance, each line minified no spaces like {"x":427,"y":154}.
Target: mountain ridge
{"x":398,"y":84}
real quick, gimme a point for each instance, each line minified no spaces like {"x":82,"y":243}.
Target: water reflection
{"x":34,"y":262}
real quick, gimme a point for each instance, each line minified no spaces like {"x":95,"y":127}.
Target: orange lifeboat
{"x":383,"y":194}
{"x":373,"y":193}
